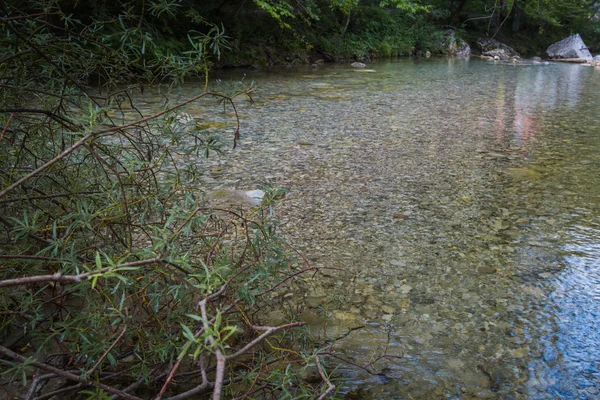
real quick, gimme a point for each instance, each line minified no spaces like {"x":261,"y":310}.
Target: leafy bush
{"x":379,"y":32}
{"x":116,"y":277}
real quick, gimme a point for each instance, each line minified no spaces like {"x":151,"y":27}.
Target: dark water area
{"x":462,"y":200}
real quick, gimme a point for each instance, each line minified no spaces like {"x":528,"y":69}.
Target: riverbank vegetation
{"x":287,"y":32}
{"x":116,"y":277}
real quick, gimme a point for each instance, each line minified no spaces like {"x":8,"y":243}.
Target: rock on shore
{"x":572,"y":47}
{"x":493,"y":48}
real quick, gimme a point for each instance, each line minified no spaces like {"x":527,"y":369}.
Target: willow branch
{"x":28,"y":16}
{"x":330,"y":386}
{"x":10,"y":117}
{"x":112,"y":346}
{"x":220,"y":375}
{"x":57,"y":118}
{"x":57,"y":392}
{"x":288,"y":277}
{"x":90,"y":135}
{"x":268,"y":330}
{"x":10,"y":354}
{"x":59,"y":277}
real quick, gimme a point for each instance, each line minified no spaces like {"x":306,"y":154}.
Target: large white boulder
{"x":571,"y":47}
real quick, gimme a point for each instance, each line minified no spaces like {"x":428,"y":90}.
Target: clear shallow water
{"x":462,"y":199}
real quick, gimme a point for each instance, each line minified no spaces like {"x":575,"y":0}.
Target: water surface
{"x":462,"y":199}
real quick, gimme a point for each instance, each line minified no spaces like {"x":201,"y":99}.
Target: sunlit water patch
{"x":462,"y":199}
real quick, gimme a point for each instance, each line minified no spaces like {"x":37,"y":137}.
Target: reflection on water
{"x":462,"y":198}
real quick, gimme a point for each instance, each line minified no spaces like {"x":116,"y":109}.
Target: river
{"x":462,"y":200}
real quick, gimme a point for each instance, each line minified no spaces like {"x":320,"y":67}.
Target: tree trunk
{"x":456,"y":7}
{"x":518,"y":8}
{"x":499,"y":15}
{"x":346,"y":23}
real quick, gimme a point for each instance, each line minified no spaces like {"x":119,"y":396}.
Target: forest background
{"x":270,"y":32}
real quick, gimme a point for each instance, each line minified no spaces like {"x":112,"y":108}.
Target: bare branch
{"x":112,"y":346}
{"x":59,"y":277}
{"x":198,"y":390}
{"x":287,"y":278}
{"x":8,"y":353}
{"x":28,"y":16}
{"x":10,"y":117}
{"x":67,"y":389}
{"x":220,"y":357}
{"x":268,"y":330}
{"x":330,"y":386}
{"x":176,"y":366}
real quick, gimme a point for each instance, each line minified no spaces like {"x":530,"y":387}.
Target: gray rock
{"x":486,"y":270}
{"x":455,"y":46}
{"x":597,"y":58}
{"x":571,"y":47}
{"x":499,"y":54}
{"x":236,"y":197}
{"x":493,"y":48}
{"x":358,"y":65}
{"x":463,"y":49}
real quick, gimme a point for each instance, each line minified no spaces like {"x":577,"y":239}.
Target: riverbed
{"x":461,"y":198}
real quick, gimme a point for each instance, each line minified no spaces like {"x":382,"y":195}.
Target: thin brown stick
{"x":176,"y":366}
{"x":48,"y":113}
{"x":53,"y":161}
{"x":28,"y":16}
{"x":8,"y":353}
{"x":10,"y":117}
{"x":197,"y":391}
{"x":122,"y":190}
{"x":7,"y":223}
{"x":34,"y":384}
{"x":48,"y":196}
{"x":140,"y":381}
{"x":112,"y":346}
{"x":287,"y":278}
{"x":27,"y":89}
{"x":60,"y":391}
{"x":268,"y":330}
{"x":59,"y":277}
{"x":30,"y":257}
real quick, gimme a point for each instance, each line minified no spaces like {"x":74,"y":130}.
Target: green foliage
{"x":532,"y":25}
{"x":112,"y":265}
{"x":278,"y":10}
{"x":376,"y":32}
